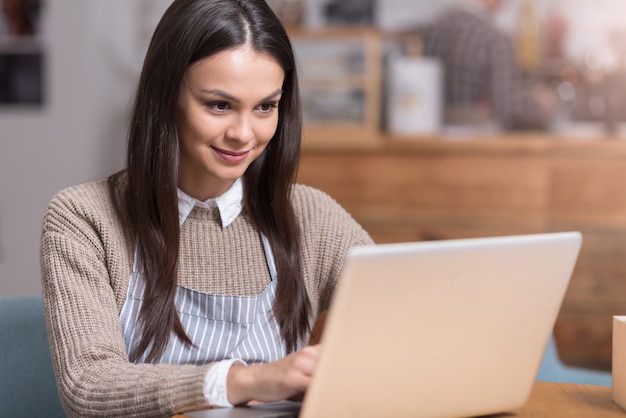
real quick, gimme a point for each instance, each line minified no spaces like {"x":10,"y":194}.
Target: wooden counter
{"x":406,"y":189}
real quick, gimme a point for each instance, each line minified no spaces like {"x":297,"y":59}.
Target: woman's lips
{"x":231,"y":156}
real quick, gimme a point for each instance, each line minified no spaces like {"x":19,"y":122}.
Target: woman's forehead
{"x":237,"y":71}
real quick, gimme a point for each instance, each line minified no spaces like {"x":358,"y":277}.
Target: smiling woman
{"x":192,"y":278}
{"x":227,"y":114}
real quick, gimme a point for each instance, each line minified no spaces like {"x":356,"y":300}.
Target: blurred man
{"x":481,"y":69}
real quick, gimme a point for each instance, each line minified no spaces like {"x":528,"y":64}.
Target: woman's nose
{"x":241,"y":129}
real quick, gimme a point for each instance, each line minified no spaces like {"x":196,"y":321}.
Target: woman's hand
{"x":276,"y":381}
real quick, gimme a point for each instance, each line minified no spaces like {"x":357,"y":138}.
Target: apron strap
{"x":269,"y":256}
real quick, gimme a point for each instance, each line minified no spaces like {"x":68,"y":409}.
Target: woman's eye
{"x":219,"y":106}
{"x":267,"y":107}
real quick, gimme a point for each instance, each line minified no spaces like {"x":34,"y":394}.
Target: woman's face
{"x":227,"y":113}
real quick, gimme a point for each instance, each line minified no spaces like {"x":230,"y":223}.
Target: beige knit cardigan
{"x":86,"y":261}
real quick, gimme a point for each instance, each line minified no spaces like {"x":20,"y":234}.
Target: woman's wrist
{"x":239,"y":383}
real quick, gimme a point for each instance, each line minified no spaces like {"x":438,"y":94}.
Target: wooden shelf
{"x":340,"y":79}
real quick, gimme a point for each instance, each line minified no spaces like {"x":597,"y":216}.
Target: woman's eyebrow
{"x":273,"y":95}
{"x":232,"y":98}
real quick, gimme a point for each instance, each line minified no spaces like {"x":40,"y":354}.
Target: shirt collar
{"x":229,"y":204}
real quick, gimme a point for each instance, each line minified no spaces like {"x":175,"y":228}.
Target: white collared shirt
{"x":229,"y":204}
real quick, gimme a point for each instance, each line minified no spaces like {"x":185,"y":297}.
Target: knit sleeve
{"x":94,"y":375}
{"x":328,"y":233}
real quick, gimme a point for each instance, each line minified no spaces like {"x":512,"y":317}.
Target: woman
{"x":192,"y":278}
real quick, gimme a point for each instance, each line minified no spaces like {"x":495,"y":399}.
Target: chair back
{"x":552,"y":369}
{"x":28,"y":387}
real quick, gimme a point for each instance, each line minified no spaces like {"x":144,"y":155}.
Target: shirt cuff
{"x":215,"y":390}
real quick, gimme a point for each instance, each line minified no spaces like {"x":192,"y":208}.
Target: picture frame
{"x":339,"y":70}
{"x":22,"y":58}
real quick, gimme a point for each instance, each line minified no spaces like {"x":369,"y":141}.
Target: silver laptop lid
{"x":442,"y":328}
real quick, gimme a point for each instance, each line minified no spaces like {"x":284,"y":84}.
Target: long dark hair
{"x":191,"y":30}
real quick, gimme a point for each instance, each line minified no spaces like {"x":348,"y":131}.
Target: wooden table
{"x":557,"y":400}
{"x":564,"y":400}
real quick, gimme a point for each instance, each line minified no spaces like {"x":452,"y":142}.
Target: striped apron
{"x":219,"y":326}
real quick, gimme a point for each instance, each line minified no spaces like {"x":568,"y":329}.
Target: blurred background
{"x":374,"y":72}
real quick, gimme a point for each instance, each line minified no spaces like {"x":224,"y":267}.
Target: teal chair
{"x":27,"y":384}
{"x":552,"y":369}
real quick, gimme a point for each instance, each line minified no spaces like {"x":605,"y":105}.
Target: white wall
{"x":37,"y":146}
{"x":93,"y":50}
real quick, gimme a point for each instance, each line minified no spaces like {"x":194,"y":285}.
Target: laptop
{"x":451,"y":328}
